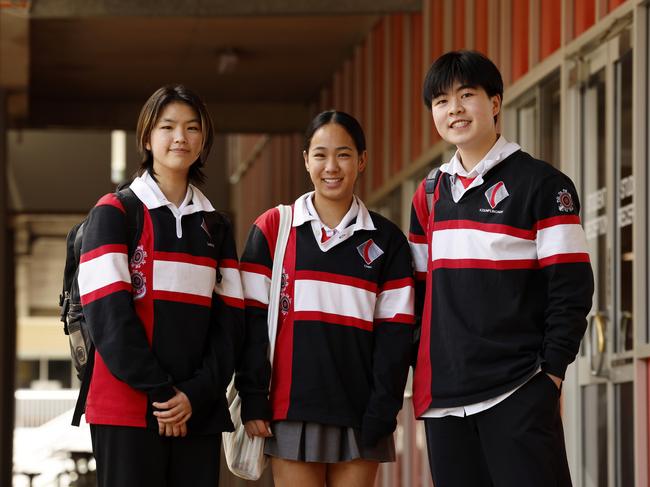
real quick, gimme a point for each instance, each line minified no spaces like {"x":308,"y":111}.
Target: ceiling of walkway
{"x":258,"y":63}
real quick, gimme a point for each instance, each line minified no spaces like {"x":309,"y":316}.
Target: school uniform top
{"x":345,"y":322}
{"x":168,"y":317}
{"x":503,"y":280}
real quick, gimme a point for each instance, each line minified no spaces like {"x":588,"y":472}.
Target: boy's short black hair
{"x":469,"y":68}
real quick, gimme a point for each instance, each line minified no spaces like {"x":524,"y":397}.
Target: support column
{"x":7,"y":311}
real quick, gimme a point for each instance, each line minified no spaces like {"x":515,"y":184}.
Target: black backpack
{"x":82,"y":349}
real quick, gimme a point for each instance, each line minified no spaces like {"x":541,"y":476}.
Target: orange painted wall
{"x":458,"y":16}
{"x":584,"y":16}
{"x":396,"y":92}
{"x":481,"y":25}
{"x":612,"y":4}
{"x":436,"y":31}
{"x":519,"y":26}
{"x":550,"y":27}
{"x":378,"y":108}
{"x":417,"y":74}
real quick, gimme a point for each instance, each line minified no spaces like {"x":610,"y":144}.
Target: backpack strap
{"x":134,"y":216}
{"x":430,"y":186}
{"x":134,"y":210}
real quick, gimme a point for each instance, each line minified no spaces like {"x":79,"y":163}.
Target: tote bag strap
{"x":276,"y":275}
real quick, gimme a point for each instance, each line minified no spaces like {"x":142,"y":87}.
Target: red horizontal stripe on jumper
{"x":418,"y":239}
{"x":103,"y":250}
{"x":396,"y":284}
{"x":333,"y":319}
{"x":256,"y":269}
{"x":558,"y":220}
{"x":185,"y":258}
{"x":485,"y":264}
{"x":105,"y":291}
{"x":336,"y":279}
{"x":253,"y":303}
{"x":229,"y":264}
{"x":232,"y":302}
{"x":398,"y":318}
{"x":484,"y":227}
{"x":573,"y":258}
{"x":182,"y":298}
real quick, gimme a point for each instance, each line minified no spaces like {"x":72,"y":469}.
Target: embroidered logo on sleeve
{"x":138,"y":279}
{"x":369,"y":251}
{"x":564,"y":201}
{"x":496,"y":194}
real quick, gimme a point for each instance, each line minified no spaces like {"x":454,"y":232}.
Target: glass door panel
{"x":624,"y":418}
{"x":596,"y":214}
{"x":624,"y":332}
{"x":605,"y":369}
{"x":594,"y":433}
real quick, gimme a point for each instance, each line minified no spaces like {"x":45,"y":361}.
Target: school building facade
{"x":577,"y":82}
{"x":577,"y":75}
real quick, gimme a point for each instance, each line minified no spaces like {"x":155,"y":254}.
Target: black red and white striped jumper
{"x":503,"y":282}
{"x":166,"y":318}
{"x":345,"y":323}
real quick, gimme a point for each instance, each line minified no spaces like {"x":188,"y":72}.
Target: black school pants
{"x":519,"y":442}
{"x":140,"y":457}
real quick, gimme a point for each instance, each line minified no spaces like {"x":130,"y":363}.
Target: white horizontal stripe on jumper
{"x":339,"y":299}
{"x":393,"y":302}
{"x":561,"y":239}
{"x":476,"y":244}
{"x":256,"y":286}
{"x":230,"y":285}
{"x":101,"y":271}
{"x":419,"y":253}
{"x":182,"y":277}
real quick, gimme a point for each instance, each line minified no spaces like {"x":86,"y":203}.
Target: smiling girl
{"x":157,"y":314}
{"x":344,"y":327}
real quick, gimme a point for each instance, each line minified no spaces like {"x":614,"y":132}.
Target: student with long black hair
{"x":344,"y":328}
{"x":161,"y":317}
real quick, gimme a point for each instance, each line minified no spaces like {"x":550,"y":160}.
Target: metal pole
{"x":7,"y":312}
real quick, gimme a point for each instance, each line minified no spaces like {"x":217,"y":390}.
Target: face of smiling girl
{"x":176,"y":140}
{"x":333,"y":163}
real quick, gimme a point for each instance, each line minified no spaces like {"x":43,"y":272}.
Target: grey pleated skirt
{"x":315,"y":442}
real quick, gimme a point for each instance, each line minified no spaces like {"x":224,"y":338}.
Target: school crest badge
{"x":369,"y":251}
{"x":564,"y":201}
{"x":496,"y":194}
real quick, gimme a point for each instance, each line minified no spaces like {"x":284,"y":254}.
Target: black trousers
{"x":518,"y":442}
{"x":139,"y":457}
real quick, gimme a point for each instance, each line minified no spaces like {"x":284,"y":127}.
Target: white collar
{"x":304,"y":212}
{"x":499,"y":151}
{"x":148,"y":191}
{"x":345,"y":221}
{"x":301,"y":214}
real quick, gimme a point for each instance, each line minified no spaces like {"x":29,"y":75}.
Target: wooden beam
{"x":215,"y":8}
{"x":227,"y":117}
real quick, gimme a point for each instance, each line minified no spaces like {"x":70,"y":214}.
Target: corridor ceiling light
{"x":227,"y":60}
{"x":118,"y":156}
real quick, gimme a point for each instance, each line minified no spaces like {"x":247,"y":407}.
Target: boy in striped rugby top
{"x":503,"y":285}
{"x":345,"y":323}
{"x":163,"y":323}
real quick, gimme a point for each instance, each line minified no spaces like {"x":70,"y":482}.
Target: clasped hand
{"x":172,"y":415}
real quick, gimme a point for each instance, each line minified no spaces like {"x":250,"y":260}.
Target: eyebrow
{"x":194,"y":120}
{"x":461,"y":87}
{"x":343,"y":147}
